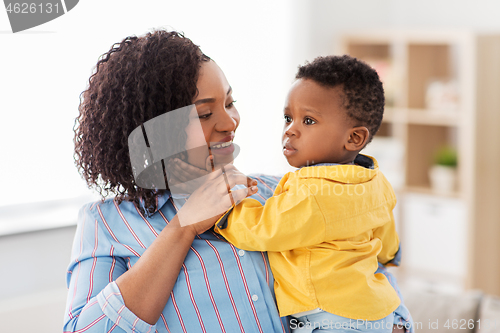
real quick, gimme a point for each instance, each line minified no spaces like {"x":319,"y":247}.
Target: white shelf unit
{"x":450,"y":239}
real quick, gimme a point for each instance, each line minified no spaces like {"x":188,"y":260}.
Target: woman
{"x":134,"y":268}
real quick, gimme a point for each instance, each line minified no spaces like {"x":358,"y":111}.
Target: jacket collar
{"x":364,"y":169}
{"x":366,"y":161}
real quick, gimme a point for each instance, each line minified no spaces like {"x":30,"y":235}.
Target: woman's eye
{"x":205,"y":116}
{"x":309,"y":121}
{"x":230,"y":105}
{"x":288,"y":119}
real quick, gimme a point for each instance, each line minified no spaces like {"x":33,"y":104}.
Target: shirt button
{"x":255,"y":298}
{"x":241,"y":253}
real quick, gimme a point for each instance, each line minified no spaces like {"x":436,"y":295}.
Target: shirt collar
{"x":161,"y":200}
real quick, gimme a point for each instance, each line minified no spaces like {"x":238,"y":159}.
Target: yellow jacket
{"x":325,"y":230}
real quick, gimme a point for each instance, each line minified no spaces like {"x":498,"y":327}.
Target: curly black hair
{"x":136,"y":80}
{"x":363,"y":91}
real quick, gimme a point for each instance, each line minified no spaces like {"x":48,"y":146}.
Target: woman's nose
{"x":228,"y":121}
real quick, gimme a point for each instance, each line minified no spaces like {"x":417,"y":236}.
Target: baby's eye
{"x":309,"y":121}
{"x":288,"y":119}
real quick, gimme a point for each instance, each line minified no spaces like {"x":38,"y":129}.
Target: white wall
{"x":43,"y":71}
{"x":46,"y":68}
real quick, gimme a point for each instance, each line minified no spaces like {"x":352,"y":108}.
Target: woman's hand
{"x":186,"y":178}
{"x":213,"y":198}
{"x":180,"y":173}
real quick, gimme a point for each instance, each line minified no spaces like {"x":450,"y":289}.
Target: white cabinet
{"x":435,"y":240}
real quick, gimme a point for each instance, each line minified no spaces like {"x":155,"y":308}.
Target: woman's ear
{"x":358,"y":138}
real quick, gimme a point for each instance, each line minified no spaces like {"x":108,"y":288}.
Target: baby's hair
{"x":137,"y":80}
{"x":363,"y":91}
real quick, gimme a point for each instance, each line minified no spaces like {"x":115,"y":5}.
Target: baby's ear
{"x":358,"y":137}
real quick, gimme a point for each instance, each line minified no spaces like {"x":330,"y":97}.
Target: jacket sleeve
{"x":390,"y":243}
{"x":288,"y":220}
{"x":94,"y":302}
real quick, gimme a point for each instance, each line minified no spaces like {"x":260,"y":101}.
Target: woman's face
{"x":216,"y":114}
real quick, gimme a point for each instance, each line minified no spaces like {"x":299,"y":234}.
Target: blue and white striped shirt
{"x":219,"y":289}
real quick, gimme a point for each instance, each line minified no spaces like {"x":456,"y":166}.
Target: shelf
{"x":421,"y":117}
{"x":441,"y":89}
{"x":429,"y":191}
{"x":431,"y":117}
{"x":392,"y":36}
{"x":427,"y":63}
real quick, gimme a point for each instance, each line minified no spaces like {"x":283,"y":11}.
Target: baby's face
{"x":316,"y":125}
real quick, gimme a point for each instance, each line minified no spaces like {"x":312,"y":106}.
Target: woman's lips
{"x":222,"y":148}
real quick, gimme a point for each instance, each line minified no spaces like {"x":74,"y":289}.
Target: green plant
{"x":446,"y":156}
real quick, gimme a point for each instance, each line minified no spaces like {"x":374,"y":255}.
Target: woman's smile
{"x":223,"y":148}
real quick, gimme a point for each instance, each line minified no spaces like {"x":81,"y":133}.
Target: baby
{"x":329,"y":223}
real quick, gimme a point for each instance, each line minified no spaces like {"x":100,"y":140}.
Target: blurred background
{"x":439,"y":144}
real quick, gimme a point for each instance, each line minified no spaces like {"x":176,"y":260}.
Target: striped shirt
{"x":220,"y":288}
